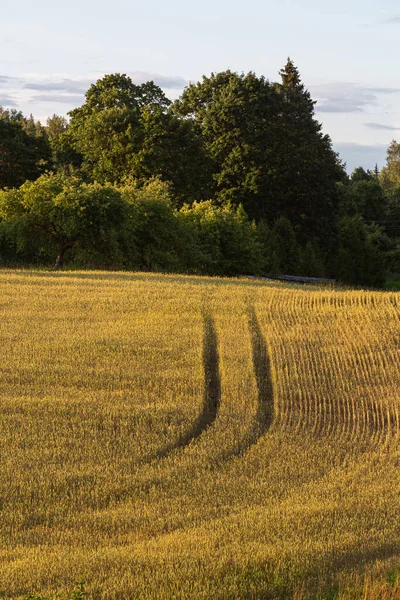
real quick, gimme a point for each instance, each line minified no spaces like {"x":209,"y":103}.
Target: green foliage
{"x":60,"y":212}
{"x":234,"y":177}
{"x":106,"y":140}
{"x":56,"y":126}
{"x":65,"y":158}
{"x":269,"y":261}
{"x":124,"y":130}
{"x":106,"y":131}
{"x":8,"y":247}
{"x":360,"y":174}
{"x":137,"y":227}
{"x":282,"y":254}
{"x":268,"y":151}
{"x":284,"y":246}
{"x":311,"y":262}
{"x":227,"y":241}
{"x":151,"y":232}
{"x":306,"y":167}
{"x":390,"y":181}
{"x":24,"y":149}
{"x":390,"y":174}
{"x":236,"y":117}
{"x":365,"y":197}
{"x":359,"y":259}
{"x":118,"y":90}
{"x":171,"y":150}
{"x":203,"y":238}
{"x":392,"y":223}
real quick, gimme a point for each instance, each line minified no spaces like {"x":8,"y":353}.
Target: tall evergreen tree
{"x":306,"y":168}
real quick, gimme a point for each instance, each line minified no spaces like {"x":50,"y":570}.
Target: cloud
{"x":72,"y":99}
{"x":381,"y":126}
{"x":6,"y":80}
{"x":357,"y":155}
{"x":392,"y":20}
{"x":69,"y":86}
{"x":35,"y":92}
{"x":345,"y":97}
{"x":7,"y":100}
{"x":167,"y":82}
{"x":71,"y":90}
{"x":81,"y":85}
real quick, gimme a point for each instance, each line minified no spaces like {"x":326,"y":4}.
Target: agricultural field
{"x":191,"y":438}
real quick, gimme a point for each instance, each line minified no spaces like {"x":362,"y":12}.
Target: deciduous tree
{"x":59,"y":211}
{"x":24,"y":149}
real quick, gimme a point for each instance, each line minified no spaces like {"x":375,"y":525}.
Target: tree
{"x":390,"y":180}
{"x":360,"y":174}
{"x":227,"y":240}
{"x":64,"y":157}
{"x":56,"y":126}
{"x":284,"y":247}
{"x":60,"y":212}
{"x":171,"y":150}
{"x":125,"y":131}
{"x":390,"y":174}
{"x":305,"y":167}
{"x":236,"y":117}
{"x":106,"y":130}
{"x":24,"y":149}
{"x":359,"y":259}
{"x":152,"y":233}
{"x":364,"y":197}
{"x":267,"y":149}
{"x":118,"y":90}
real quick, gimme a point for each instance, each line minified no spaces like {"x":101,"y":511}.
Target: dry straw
{"x":176,"y":437}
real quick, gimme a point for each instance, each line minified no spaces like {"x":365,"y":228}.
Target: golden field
{"x":191,"y":438}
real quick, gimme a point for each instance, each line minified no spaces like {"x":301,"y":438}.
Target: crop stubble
{"x":194,"y":438}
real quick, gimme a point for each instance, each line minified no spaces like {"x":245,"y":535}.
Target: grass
{"x":182,"y":437}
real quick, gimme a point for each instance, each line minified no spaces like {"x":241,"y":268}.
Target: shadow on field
{"x":262,"y":371}
{"x":265,"y":393}
{"x":212,"y":390}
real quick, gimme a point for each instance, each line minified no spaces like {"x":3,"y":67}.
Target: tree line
{"x":234,"y":177}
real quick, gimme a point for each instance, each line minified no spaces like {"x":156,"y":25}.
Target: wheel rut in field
{"x":262,"y":371}
{"x":264,"y":415}
{"x":212,"y":390}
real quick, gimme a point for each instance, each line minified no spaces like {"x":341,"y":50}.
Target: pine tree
{"x":295,"y":94}
{"x":305,"y":168}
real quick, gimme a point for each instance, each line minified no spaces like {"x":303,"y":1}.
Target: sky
{"x":346,"y":52}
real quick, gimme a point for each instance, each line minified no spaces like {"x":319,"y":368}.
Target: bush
{"x":224,"y":241}
{"x":151,"y":234}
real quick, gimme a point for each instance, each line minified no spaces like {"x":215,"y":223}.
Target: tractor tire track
{"x":212,"y":391}
{"x":262,"y":371}
{"x":264,"y":416}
